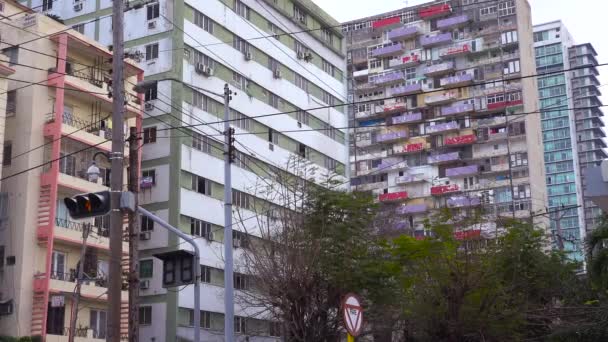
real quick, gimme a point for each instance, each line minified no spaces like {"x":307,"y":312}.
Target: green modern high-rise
{"x":573,"y":134}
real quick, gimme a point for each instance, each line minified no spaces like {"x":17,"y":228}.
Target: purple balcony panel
{"x":452,"y":22}
{"x":447,"y":157}
{"x":438,"y":39}
{"x":462,"y":171}
{"x":459,"y":202}
{"x":442,"y":127}
{"x":403,"y":33}
{"x":439,"y":68}
{"x":412,"y":209}
{"x":396,"y":120}
{"x":388,"y":50}
{"x":407,"y":89}
{"x":459,"y":108}
{"x":391,"y":163}
{"x":458,"y":80}
{"x":391,"y":136}
{"x":388,"y":78}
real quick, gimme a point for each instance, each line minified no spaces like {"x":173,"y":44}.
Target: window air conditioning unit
{"x":149,"y":106}
{"x":248,"y":56}
{"x":145,"y":236}
{"x":151,"y":24}
{"x":144,"y":284}
{"x":78,"y":7}
{"x":277,"y":74}
{"x":202,"y":69}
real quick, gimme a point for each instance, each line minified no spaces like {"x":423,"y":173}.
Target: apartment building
{"x":60,"y":119}
{"x":442,"y":115}
{"x":192,"y":46}
{"x":7,"y":99}
{"x":573,"y":134}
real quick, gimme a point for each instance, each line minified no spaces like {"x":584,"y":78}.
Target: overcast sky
{"x":586,"y":19}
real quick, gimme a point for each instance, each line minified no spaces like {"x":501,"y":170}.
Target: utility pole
{"x":116,"y":179}
{"x":83,"y":250}
{"x":228,"y":272}
{"x":133,"y":238}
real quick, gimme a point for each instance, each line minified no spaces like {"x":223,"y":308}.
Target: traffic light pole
{"x":116,"y":176}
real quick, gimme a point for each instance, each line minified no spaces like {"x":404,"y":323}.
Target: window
{"x":328,"y":98}
{"x":509,"y":37}
{"x":151,"y":93}
{"x":273,"y":136}
{"x":330,"y":164}
{"x":149,"y":135}
{"x":241,"y":199}
{"x":205,"y":319}
{"x":239,"y":80}
{"x":12,"y":53}
{"x":11,"y":103}
{"x":272,"y":28}
{"x":58,"y":265}
{"x":149,"y":174}
{"x":205,"y":274}
{"x":200,"y":228}
{"x":151,"y":51}
{"x":153,"y":11}
{"x":520,"y":159}
{"x":147,"y":225}
{"x":506,"y":8}
{"x":274,"y":329}
{"x":241,"y":281}
{"x":241,"y":9}
{"x":521,"y":191}
{"x":203,"y":21}
{"x":511,"y":67}
{"x":47,"y":5}
{"x":98,"y":323}
{"x":410,"y":73}
{"x":7,"y":155}
{"x":240,"y":44}
{"x":327,"y":36}
{"x":200,"y":57}
{"x":302,"y":117}
{"x":201,"y":143}
{"x":375,"y":63}
{"x":517,"y":128}
{"x":78,"y":28}
{"x":328,"y":67}
{"x":299,"y":47}
{"x":146,"y":268}
{"x":273,"y":100}
{"x":145,"y":315}
{"x":201,"y":185}
{"x":488,"y":10}
{"x":273,"y":64}
{"x":302,"y":83}
{"x":540,"y":36}
{"x":240,"y":120}
{"x":299,"y":14}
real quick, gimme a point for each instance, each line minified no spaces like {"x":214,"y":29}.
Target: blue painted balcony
{"x":452,"y":22}
{"x":443,"y":128}
{"x":390,"y":78}
{"x":390,"y":50}
{"x":463,"y":202}
{"x":407,"y":89}
{"x":391,"y":136}
{"x":403,"y":33}
{"x":440,"y":98}
{"x":462,"y":171}
{"x":439,"y":69}
{"x":412,"y":209}
{"x":444,"y":158}
{"x":436,"y":40}
{"x":407,"y":179}
{"x":393,"y":163}
{"x":457,"y":109}
{"x":456,"y":81}
{"x":406,"y":118}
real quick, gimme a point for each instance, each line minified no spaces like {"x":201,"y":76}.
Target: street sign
{"x":353,"y":314}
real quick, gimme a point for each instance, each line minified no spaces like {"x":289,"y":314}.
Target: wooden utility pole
{"x":86,"y":227}
{"x":133,"y":238}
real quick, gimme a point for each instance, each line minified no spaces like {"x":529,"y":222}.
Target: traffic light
{"x":88,"y":205}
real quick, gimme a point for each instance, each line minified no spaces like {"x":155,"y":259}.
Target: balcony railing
{"x":444,"y":189}
{"x":462,"y":171}
{"x":461,"y":140}
{"x":463,"y":201}
{"x":441,"y":128}
{"x":439,"y":39}
{"x":491,"y":121}
{"x":387,"y":23}
{"x":440,"y":98}
{"x":361,"y":73}
{"x":406,"y":179}
{"x":406,"y":118}
{"x":405,"y":61}
{"x":97,"y":227}
{"x":393,"y":107}
{"x":458,"y":49}
{"x":456,"y":109}
{"x":452,"y":22}
{"x":403,"y":33}
{"x":455,"y":81}
{"x":408,"y":148}
{"x":390,"y":50}
{"x":435,"y":11}
{"x":389,"y":78}
{"x":412,"y":209}
{"x":65,"y":331}
{"x":393,"y":196}
{"x":392,"y":163}
{"x":407,"y":89}
{"x":391,"y":136}
{"x":444,"y":158}
{"x":439,"y":69}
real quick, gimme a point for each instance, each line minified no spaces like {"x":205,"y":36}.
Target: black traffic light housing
{"x":88,"y":205}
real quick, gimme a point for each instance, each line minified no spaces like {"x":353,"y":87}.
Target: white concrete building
{"x":207,"y":44}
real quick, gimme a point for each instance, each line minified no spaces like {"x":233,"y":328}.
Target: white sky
{"x":585,"y":19}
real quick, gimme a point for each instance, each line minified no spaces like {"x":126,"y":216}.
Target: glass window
{"x":145,"y":315}
{"x":151,"y":51}
{"x":153,"y":11}
{"x":146,"y":268}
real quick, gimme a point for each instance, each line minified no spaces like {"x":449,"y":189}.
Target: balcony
{"x":372,"y":186}
{"x":391,"y":136}
{"x":444,"y":189}
{"x":392,"y":163}
{"x":456,"y":81}
{"x":467,"y":234}
{"x":453,"y":22}
{"x":361,"y":73}
{"x":403,"y":33}
{"x":504,"y":104}
{"x":408,"y":179}
{"x":387,"y":23}
{"x":444,"y":158}
{"x":412,"y":209}
{"x":406,"y":118}
{"x":391,"y":50}
{"x":439,"y":69}
{"x":408,"y":148}
{"x":440,"y":98}
{"x":407,"y":89}
{"x":436,"y":40}
{"x":435,"y":11}
{"x":388,"y":78}
{"x":463,"y":201}
{"x":461,"y":140}
{"x":497,"y":136}
{"x":462,"y":171}
{"x":406,"y":61}
{"x":456,"y":50}
{"x":393,"y":197}
{"x":78,"y":128}
{"x":489,"y":122}
{"x":458,"y":109}
{"x":367,"y":114}
{"x":392,"y":107}
{"x":442,"y":128}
